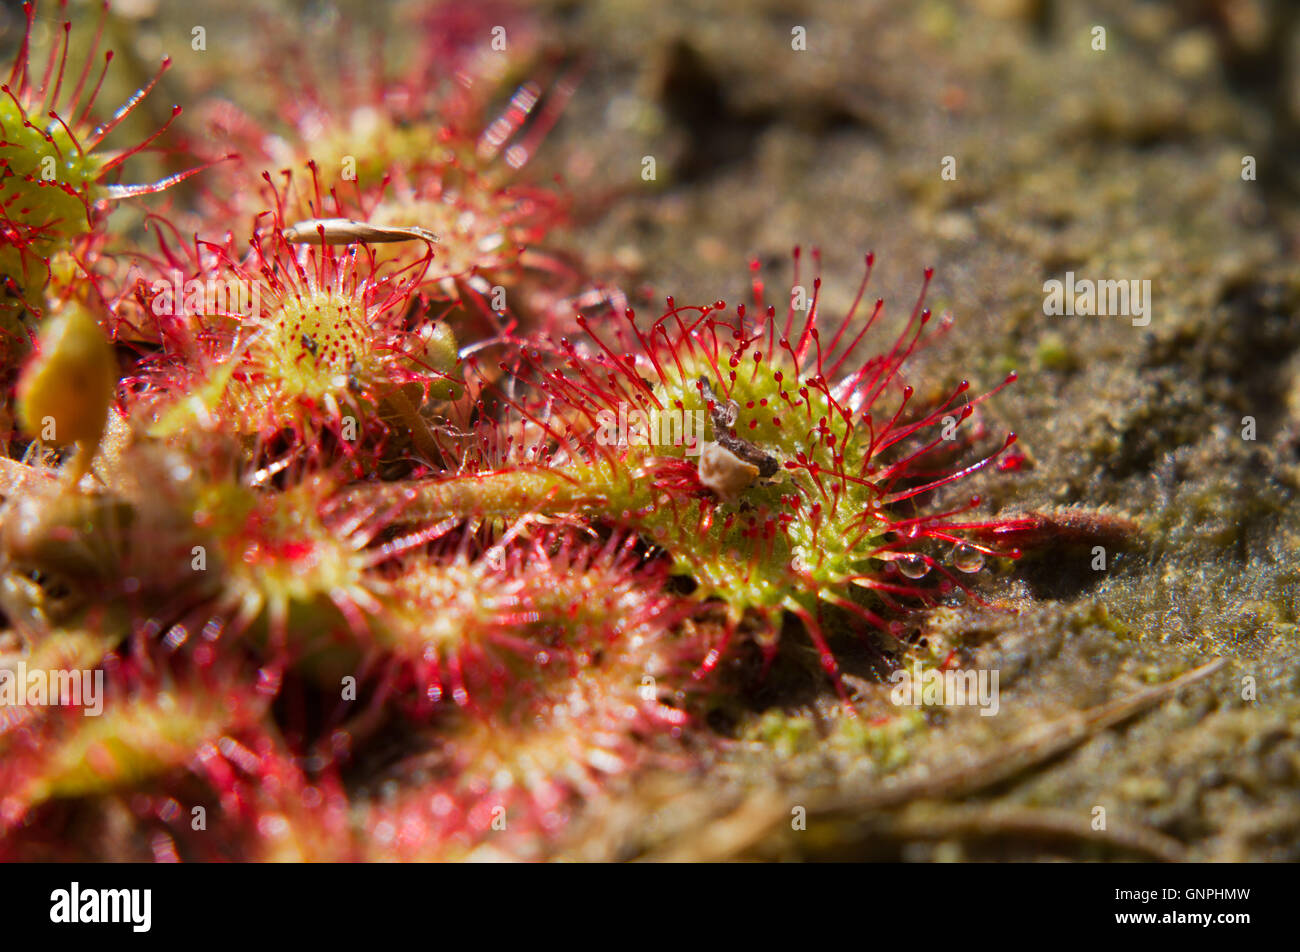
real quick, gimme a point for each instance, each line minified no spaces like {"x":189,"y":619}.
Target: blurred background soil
{"x":1114,"y":164}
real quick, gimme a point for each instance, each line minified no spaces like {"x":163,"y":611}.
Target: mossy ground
{"x":1124,"y":163}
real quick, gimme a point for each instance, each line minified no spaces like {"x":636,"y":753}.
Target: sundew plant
{"x":357,"y":507}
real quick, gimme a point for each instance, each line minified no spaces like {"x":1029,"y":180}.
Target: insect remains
{"x":724,"y":472}
{"x":346,"y":231}
{"x":730,"y":464}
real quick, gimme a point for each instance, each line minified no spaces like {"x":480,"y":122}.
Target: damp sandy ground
{"x":1125,"y":163}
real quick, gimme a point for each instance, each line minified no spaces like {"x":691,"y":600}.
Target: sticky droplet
{"x":967,"y":558}
{"x":913,"y":566}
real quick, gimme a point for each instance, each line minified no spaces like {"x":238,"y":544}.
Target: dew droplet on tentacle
{"x":967,"y":558}
{"x":913,"y":566}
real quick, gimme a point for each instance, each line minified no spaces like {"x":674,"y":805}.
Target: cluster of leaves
{"x":364,"y":565}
